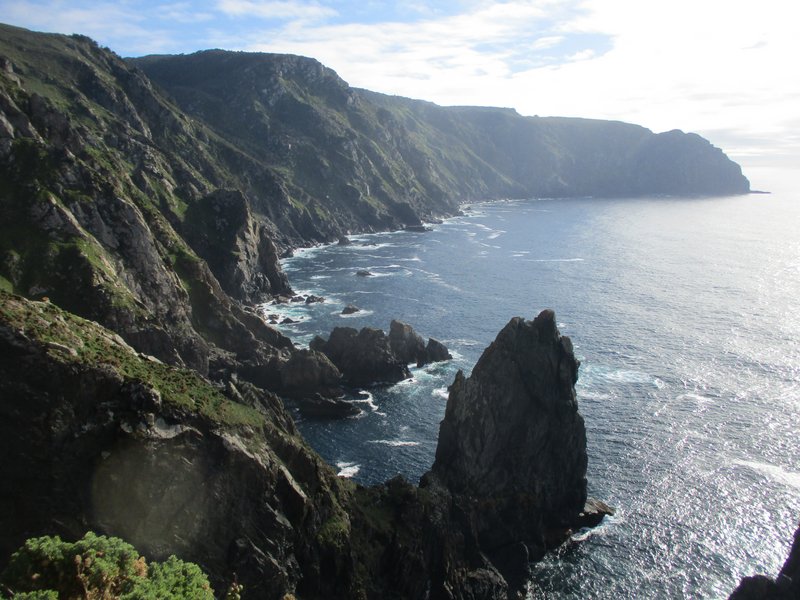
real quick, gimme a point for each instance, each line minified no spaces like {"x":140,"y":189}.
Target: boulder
{"x":311,"y":299}
{"x":363,"y":357}
{"x":364,"y":274}
{"x":350,"y":309}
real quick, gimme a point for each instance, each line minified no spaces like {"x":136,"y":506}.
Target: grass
{"x":95,"y":346}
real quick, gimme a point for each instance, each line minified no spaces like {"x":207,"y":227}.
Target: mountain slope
{"x":333,"y":139}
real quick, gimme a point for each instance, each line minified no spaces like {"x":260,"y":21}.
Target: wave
{"x":548,"y":260}
{"x":773,"y":472}
{"x":394,"y":443}
{"x":361,"y":313}
{"x":347,"y":469}
{"x":441,"y":393}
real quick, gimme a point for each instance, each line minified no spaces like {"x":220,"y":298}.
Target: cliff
{"x":367,"y":159}
{"x":97,"y":436}
{"x":140,"y":215}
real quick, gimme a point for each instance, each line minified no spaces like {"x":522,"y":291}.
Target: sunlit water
{"x":685,"y":314}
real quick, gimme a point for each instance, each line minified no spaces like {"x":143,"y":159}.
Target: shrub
{"x":98,"y":568}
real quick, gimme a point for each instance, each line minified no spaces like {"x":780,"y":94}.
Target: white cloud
{"x":281,"y":9}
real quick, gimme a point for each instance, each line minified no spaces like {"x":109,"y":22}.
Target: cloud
{"x":282,"y":9}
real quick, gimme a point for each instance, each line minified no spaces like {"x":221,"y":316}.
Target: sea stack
{"x":512,"y":445}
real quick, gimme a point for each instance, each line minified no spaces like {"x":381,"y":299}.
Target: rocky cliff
{"x":95,"y":435}
{"x":786,"y":586}
{"x":366,"y":159}
{"x":157,"y":214}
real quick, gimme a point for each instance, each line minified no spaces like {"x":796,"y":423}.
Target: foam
{"x":394,"y":443}
{"x":347,"y":469}
{"x":773,"y":472}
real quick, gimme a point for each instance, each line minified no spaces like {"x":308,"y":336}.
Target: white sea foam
{"x":355,"y":315}
{"x":347,"y":469}
{"x":394,"y":443}
{"x":365,"y":397}
{"x":548,"y":260}
{"x":440,"y":393}
{"x":773,"y":472}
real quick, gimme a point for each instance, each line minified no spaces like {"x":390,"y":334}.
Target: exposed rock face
{"x":95,"y":436}
{"x":409,"y":347}
{"x":364,"y":357}
{"x":222,"y":230}
{"x":436,"y":351}
{"x":785,"y":587}
{"x":512,"y":445}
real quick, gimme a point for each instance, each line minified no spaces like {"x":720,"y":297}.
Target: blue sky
{"x":723,"y":69}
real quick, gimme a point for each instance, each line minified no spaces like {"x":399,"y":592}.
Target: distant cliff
{"x":351,"y":149}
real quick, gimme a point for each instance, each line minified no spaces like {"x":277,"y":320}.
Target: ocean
{"x":685,"y":314}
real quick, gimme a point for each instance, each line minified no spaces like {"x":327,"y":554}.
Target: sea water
{"x":685,"y":314}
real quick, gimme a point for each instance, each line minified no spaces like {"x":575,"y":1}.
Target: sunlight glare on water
{"x":685,"y":314}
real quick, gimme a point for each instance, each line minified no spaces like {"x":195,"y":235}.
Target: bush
{"x":98,"y":568}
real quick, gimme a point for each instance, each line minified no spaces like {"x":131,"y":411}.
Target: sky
{"x":725,"y":69}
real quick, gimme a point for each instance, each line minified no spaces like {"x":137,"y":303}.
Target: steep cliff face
{"x":111,"y":199}
{"x":512,"y":431}
{"x":512,"y":445}
{"x":352,"y":149}
{"x":96,"y":436}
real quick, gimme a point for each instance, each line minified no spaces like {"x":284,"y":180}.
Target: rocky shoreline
{"x":141,"y":395}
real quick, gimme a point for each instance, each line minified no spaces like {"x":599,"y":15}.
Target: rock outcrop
{"x":784,"y":587}
{"x":95,"y":436}
{"x":238,"y":248}
{"x":508,"y":483}
{"x":369,"y":356}
{"x":512,"y":446}
{"x":409,"y":346}
{"x":364,"y":357}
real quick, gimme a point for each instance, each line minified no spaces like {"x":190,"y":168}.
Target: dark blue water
{"x":685,"y":314}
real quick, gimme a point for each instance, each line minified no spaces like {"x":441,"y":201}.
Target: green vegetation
{"x":93,"y":345}
{"x":98,"y":568}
